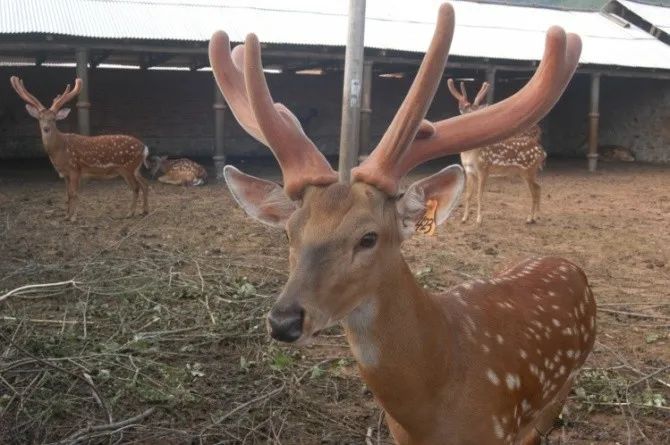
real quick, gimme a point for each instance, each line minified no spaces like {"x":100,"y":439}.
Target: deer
{"x":486,"y":362}
{"x":177,"y":171}
{"x":76,"y":156}
{"x":519,"y":155}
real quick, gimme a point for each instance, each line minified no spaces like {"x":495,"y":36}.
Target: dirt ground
{"x":161,"y":339}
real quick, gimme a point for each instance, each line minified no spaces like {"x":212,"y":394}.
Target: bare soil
{"x":167,"y":313}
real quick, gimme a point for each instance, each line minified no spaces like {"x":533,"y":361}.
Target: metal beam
{"x":376,"y":56}
{"x":351,"y":91}
{"x":219,"y":121}
{"x":149,"y":60}
{"x":491,"y":79}
{"x":594,"y":117}
{"x":40,"y":58}
{"x":83,"y":104}
{"x":366,"y":109}
{"x":95,"y":61}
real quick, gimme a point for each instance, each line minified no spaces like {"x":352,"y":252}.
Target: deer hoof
{"x":531,"y":221}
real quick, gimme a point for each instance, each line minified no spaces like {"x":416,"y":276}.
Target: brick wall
{"x":172,"y":111}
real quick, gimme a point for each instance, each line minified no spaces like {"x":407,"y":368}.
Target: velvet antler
{"x":240,"y":77}
{"x":67,"y":95}
{"x":23,"y":93}
{"x":58,"y":101}
{"x":388,"y":163}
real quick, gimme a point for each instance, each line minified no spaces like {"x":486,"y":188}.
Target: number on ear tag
{"x":426,"y":224}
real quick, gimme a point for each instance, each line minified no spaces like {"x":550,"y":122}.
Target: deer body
{"x":76,"y":156}
{"x":477,"y":355}
{"x":178,"y":171}
{"x":520,"y":155}
{"x":488,"y":362}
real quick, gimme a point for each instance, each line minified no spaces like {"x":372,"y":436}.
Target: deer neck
{"x":55,"y":145}
{"x":399,"y":336}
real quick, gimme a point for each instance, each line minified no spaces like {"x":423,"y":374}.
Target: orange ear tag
{"x":426,"y":224}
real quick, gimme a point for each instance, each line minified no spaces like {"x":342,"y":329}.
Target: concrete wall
{"x":172,"y":111}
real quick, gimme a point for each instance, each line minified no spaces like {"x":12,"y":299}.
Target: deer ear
{"x":62,"y":114}
{"x":429,"y":201}
{"x":34,"y":112}
{"x":263,"y":200}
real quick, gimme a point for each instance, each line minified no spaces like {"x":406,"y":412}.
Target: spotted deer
{"x":177,"y":171}
{"x":488,"y":361}
{"x":75,"y":156}
{"x":519,"y":155}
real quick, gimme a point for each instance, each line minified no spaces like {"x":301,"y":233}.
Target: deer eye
{"x":368,"y":240}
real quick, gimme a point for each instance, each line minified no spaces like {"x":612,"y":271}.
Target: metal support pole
{"x":491,"y":79}
{"x":83,"y":104}
{"x":351,"y":92}
{"x":594,"y":117}
{"x":219,"y":120}
{"x":366,"y":110}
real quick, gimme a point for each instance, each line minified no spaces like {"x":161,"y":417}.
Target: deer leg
{"x":72,"y":183}
{"x":535,"y":193}
{"x":134,"y":186}
{"x":469,"y":187}
{"x":145,"y":191}
{"x":481,"y":183}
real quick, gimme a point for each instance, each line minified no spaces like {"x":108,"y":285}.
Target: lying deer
{"x":520,"y":155}
{"x":487,"y":362}
{"x":177,"y":171}
{"x":75,"y":156}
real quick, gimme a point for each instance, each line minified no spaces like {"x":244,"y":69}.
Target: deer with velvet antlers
{"x":75,"y":156}
{"x":520,"y":155}
{"x":487,"y":362}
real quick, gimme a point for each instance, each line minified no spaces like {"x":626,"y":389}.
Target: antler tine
{"x":23,"y":93}
{"x":376,"y":168}
{"x":67,"y":95}
{"x":464,"y":92}
{"x":500,"y":120}
{"x":247,"y":93}
{"x":230,"y":79}
{"x":461,"y":97}
{"x":481,"y":94}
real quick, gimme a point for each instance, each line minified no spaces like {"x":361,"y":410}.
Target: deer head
{"x":156,"y":164}
{"x":46,"y":116}
{"x":344,"y":239}
{"x":464,"y":105}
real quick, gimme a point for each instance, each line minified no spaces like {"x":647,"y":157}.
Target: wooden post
{"x":83,"y":104}
{"x":351,"y":91}
{"x":491,"y":79}
{"x":219,"y":120}
{"x":366,"y":110}
{"x":594,"y":117}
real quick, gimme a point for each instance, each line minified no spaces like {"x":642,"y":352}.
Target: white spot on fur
{"x":492,"y":376}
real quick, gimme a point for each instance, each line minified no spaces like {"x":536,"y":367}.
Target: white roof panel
{"x":482,"y":30}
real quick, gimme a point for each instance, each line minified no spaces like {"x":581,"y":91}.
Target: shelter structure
{"x":145,"y":69}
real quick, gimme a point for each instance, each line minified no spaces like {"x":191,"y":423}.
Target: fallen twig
{"x":110,"y":428}
{"x":35,"y":286}
{"x":633,"y":314}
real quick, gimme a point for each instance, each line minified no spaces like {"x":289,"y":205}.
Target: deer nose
{"x":285,"y":322}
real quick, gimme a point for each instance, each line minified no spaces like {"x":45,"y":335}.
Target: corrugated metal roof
{"x":483,"y":30}
{"x":658,"y":16}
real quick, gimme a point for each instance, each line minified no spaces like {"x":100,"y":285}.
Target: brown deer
{"x":520,"y":155}
{"x":75,"y":156}
{"x":487,"y":362}
{"x":177,"y":171}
